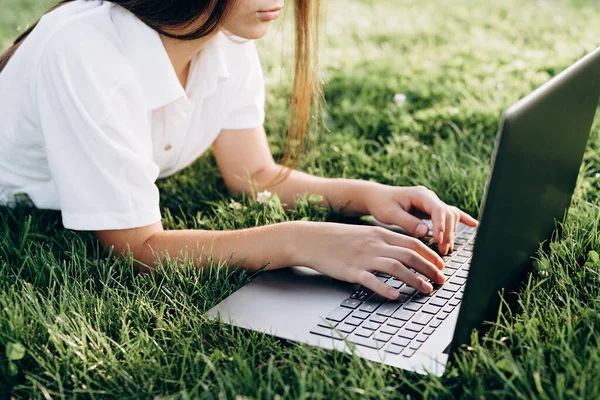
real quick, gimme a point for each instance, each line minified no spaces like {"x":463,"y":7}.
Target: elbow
{"x":238,"y":185}
{"x":135,"y":243}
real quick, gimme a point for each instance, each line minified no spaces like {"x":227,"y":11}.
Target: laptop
{"x":537,"y":155}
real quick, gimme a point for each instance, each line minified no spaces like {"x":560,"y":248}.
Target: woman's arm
{"x":262,"y":245}
{"x":346,"y":252}
{"x":244,"y":156}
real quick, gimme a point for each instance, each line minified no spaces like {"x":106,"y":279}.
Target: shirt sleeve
{"x":97,"y":137}
{"x":249,"y":102}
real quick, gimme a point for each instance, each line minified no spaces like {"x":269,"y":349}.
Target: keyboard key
{"x":378,"y":318}
{"x":459,"y":296}
{"x":408,"y":290}
{"x":414,"y":327}
{"x":368,"y":342}
{"x":395,"y":283}
{"x":351,"y":303}
{"x":442,"y":316}
{"x":422,"y":338}
{"x":458,"y":281}
{"x":372,"y":304}
{"x":382,"y":337}
{"x":428,"y":331}
{"x":460,"y":259}
{"x":412,"y":306}
{"x":390,"y":330}
{"x":462,"y":274}
{"x":330,"y":333}
{"x":394,"y":348}
{"x":415,"y":346}
{"x":444,"y":294}
{"x":360,"y":314}
{"x":346,"y":328}
{"x":460,"y":241}
{"x":464,"y":253}
{"x":448,"y":272}
{"x":453,"y":264}
{"x":371,"y":325}
{"x":436,"y":301}
{"x":363,"y":332}
{"x":338,"y":314}
{"x":362,"y":294}
{"x":408,"y":353}
{"x":383,"y":278}
{"x":451,"y":287}
{"x":435,"y":323}
{"x":327,"y":324}
{"x":420,"y":298}
{"x":403,"y":314}
{"x":388,"y":308}
{"x":422,"y":318}
{"x":407,"y":334}
{"x":379,"y":273}
{"x":396,"y":323}
{"x":454,"y":302}
{"x":429,"y":309}
{"x":400,"y":341}
{"x":353,"y":321}
{"x":448,"y":309}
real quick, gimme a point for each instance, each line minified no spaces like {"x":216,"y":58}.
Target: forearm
{"x":269,"y":244}
{"x":337,"y":192}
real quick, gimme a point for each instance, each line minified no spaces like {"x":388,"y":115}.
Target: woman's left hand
{"x":393,"y":205}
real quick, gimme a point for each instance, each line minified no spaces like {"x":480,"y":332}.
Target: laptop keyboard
{"x":401,"y":326}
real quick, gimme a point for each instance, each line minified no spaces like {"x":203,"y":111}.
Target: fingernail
{"x":426,"y":287}
{"x":422,"y":230}
{"x":393,"y":293}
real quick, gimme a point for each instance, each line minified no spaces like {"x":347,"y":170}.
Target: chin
{"x":252,"y":33}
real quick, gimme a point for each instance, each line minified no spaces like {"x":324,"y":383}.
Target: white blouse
{"x":92,"y":113}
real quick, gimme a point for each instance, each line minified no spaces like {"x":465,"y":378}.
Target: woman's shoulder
{"x":77,"y":31}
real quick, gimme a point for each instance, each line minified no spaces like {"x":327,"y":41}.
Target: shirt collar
{"x":146,"y":53}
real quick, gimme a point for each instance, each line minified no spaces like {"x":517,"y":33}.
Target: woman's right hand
{"x":353,"y":252}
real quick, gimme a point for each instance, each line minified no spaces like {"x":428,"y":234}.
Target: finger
{"x":403,"y":241}
{"x":438,"y":218}
{"x":414,"y":260}
{"x":449,"y":232}
{"x":456,"y":222}
{"x":457,"y":218}
{"x":412,"y":224}
{"x":399,"y":271}
{"x":370,"y":281}
{"x":467,"y":219}
{"x":425,"y":200}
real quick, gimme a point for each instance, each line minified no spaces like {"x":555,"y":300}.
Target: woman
{"x":102,"y":98}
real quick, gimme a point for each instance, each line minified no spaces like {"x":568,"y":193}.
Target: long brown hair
{"x":306,"y":89}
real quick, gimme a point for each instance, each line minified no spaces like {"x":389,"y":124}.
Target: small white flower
{"x":400,"y":99}
{"x":263,"y":197}
{"x":543,"y":273}
{"x":234,"y":205}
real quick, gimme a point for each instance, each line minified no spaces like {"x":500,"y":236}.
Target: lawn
{"x":90,"y":327}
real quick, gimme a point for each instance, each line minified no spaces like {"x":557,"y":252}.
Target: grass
{"x":90,"y":327}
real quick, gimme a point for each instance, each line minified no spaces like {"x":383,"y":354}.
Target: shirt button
{"x":168,"y":147}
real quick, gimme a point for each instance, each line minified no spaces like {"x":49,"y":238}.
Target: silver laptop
{"x":537,"y":156}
